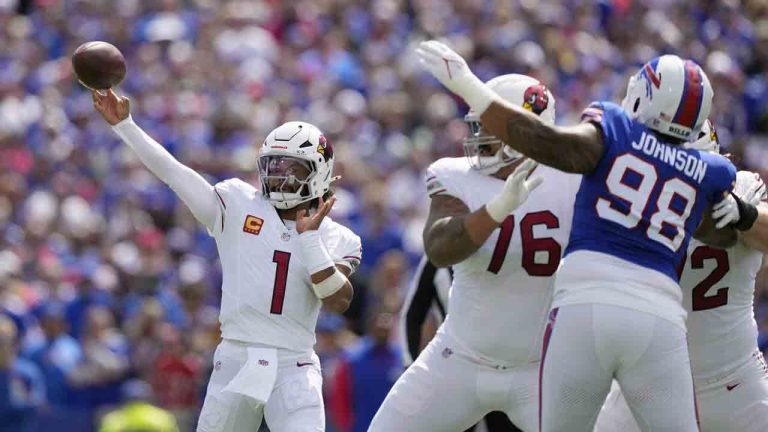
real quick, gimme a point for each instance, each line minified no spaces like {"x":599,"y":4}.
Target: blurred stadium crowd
{"x":110,"y":284}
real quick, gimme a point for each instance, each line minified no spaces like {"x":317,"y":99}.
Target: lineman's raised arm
{"x":190,"y":186}
{"x":575,"y":149}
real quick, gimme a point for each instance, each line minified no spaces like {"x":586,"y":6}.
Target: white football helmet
{"x":290,"y":152}
{"x":516,"y":89}
{"x":670,"y":95}
{"x":707,"y":140}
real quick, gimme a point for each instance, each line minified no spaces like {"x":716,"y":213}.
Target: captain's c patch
{"x":253,"y":225}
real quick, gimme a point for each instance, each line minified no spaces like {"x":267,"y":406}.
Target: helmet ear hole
{"x":636,"y":106}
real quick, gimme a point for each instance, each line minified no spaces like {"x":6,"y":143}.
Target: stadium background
{"x":93,"y":244}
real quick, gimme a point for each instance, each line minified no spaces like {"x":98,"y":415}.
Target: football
{"x":98,"y":65}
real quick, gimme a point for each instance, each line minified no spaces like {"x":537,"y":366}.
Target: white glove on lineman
{"x":735,"y":211}
{"x":515,"y":192}
{"x":452,"y":70}
{"x":726,"y":212}
{"x":755,"y":194}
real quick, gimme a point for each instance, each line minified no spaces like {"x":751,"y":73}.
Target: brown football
{"x":98,"y":65}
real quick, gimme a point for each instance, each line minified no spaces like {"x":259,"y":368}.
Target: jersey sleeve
{"x":228,"y":194}
{"x":614,"y":124}
{"x":723,"y":177}
{"x":345,"y":247}
{"x":440,"y":179}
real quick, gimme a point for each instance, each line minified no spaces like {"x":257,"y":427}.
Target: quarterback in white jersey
{"x":729,"y":373}
{"x":503,"y":250}
{"x":281,"y":258}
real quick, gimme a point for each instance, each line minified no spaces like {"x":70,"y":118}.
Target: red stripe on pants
{"x":544,"y":346}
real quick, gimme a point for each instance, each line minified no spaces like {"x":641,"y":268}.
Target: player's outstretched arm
{"x":453,"y":233}
{"x":575,"y":149}
{"x":330,"y":281}
{"x":190,"y":186}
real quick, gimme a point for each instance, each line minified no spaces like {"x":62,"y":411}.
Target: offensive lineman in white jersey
{"x":485,"y":355}
{"x":729,"y":373}
{"x":281,"y":258}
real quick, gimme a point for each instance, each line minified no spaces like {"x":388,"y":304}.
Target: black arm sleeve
{"x":422,"y":293}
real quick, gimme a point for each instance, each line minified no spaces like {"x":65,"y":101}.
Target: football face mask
{"x":286,"y":178}
{"x":485,"y":152}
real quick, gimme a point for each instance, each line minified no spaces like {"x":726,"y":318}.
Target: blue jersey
{"x":646,"y":197}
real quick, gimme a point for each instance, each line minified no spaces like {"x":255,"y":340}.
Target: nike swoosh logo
{"x":731,"y":387}
{"x":310,"y":363}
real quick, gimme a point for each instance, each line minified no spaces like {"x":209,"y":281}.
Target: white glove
{"x":735,"y":211}
{"x":726,"y":212}
{"x":515,"y":192}
{"x":452,"y":70}
{"x":755,"y":194}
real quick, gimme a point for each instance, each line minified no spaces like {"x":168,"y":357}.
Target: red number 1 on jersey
{"x":281,"y":276}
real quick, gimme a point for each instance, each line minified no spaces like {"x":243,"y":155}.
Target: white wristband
{"x":313,"y":250}
{"x":330,"y":285}
{"x":477,"y":94}
{"x":499,"y":207}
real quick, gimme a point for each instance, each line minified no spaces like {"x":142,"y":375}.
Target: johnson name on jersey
{"x":718,"y":292}
{"x":646,"y":197}
{"x":267,"y":296}
{"x":634,"y":216}
{"x":503,"y":289}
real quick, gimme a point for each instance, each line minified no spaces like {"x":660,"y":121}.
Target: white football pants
{"x":295,"y":404}
{"x":737,"y":401}
{"x":446,"y":391}
{"x":586,"y":346}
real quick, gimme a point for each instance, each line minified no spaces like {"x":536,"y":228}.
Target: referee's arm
{"x":422,"y":294}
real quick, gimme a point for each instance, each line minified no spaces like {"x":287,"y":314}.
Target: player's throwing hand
{"x":306,"y":222}
{"x":112,"y":107}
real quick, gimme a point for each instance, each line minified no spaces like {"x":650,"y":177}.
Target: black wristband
{"x":747,"y":214}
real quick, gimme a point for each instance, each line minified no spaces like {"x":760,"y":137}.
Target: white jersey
{"x":718,"y":291}
{"x":502,"y":292}
{"x":266,"y":295}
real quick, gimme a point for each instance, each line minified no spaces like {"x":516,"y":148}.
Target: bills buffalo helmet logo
{"x":325,"y":148}
{"x":535,"y":98}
